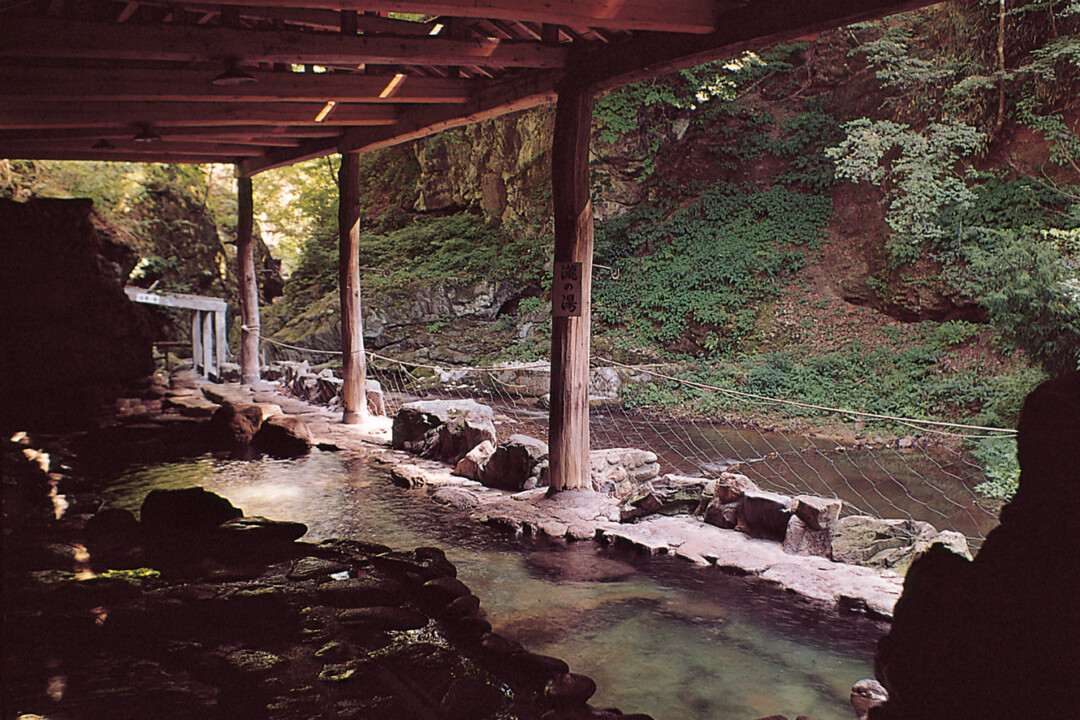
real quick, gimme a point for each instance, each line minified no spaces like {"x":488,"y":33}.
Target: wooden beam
{"x":248,"y":282}
{"x":40,"y":39}
{"x":683,"y":16}
{"x":568,"y":427}
{"x":353,"y":365}
{"x":83,"y":84}
{"x":492,"y":100}
{"x":16,"y":115}
{"x":742,"y":27}
{"x":129,"y":146}
{"x":323,"y":19}
{"x":150,"y":156}
{"x":277,"y":135}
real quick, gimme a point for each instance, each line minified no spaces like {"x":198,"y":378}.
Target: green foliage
{"x":461,"y":248}
{"x":916,"y":169}
{"x":705,"y":265}
{"x":530,"y":305}
{"x":1000,"y":466}
{"x":955,"y":332}
{"x":616,"y":112}
{"x":298,"y":204}
{"x":1029,"y":284}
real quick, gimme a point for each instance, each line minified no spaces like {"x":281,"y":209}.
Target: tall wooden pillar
{"x":353,"y":364}
{"x":249,"y":285}
{"x":568,"y":437}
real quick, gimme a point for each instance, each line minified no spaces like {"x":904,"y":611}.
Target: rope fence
{"x":888,"y":467}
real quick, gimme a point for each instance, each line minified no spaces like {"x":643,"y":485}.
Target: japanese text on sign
{"x":566,"y":290}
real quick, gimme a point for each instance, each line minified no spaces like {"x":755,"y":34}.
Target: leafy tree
{"x":916,"y":169}
{"x":1029,"y":284}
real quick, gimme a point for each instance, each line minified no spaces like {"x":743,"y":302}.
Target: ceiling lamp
{"x":233,"y":75}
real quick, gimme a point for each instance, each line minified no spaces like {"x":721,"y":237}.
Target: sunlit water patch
{"x":658,"y":636}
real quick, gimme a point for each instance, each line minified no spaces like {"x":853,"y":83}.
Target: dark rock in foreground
{"x":235,"y":619}
{"x":999,"y":637}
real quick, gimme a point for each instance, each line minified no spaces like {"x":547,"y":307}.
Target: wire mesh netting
{"x":883,"y":466}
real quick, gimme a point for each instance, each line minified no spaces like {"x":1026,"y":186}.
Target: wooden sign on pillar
{"x":568,"y":434}
{"x":353,"y":363}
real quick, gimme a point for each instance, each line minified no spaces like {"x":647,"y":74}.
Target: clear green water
{"x":657,"y":635}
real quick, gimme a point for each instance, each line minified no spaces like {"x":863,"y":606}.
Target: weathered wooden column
{"x":353,"y":363}
{"x":197,"y":341}
{"x":209,"y":357}
{"x":249,"y":285}
{"x":568,"y":434}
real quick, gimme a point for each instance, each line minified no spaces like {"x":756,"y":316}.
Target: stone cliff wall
{"x":69,"y":330}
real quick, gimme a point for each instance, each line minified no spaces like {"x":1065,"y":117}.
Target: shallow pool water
{"x":658,"y":635}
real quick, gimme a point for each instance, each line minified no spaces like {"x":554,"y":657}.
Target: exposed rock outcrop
{"x":71,"y":337}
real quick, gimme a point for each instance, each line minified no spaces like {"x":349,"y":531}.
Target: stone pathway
{"x":584,"y":514}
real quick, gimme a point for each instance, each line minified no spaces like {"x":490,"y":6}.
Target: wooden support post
{"x":249,"y":286}
{"x":208,"y":343}
{"x":196,"y":341}
{"x":353,"y":363}
{"x":220,"y":341}
{"x":568,"y":434}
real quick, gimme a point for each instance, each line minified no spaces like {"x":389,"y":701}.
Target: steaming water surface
{"x":657,"y":635}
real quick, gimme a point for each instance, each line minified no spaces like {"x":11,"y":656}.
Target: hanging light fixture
{"x":234,"y":75}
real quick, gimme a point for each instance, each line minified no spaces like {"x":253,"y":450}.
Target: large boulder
{"x":473,"y":464}
{"x":284,"y":436}
{"x":817,"y":512}
{"x":881,"y":544}
{"x":234,"y":426}
{"x":730,"y":487}
{"x":516,"y":464}
{"x":181,"y":515}
{"x":442,"y":429}
{"x":667,"y":495}
{"x":765,"y":514}
{"x":70,"y":334}
{"x":801,"y":539}
{"x":618,"y":471}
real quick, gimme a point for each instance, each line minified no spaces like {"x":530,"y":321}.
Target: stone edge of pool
{"x":585,"y":514}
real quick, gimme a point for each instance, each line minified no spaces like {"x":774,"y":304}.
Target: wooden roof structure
{"x":264,"y":83}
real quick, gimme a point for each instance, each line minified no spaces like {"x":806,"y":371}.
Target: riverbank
{"x":579,"y":515}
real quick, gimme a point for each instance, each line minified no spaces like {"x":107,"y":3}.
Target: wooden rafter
{"x":681,"y":16}
{"x":75,"y":83}
{"x":33,"y":38}
{"x":83,"y":82}
{"x":90,"y":114}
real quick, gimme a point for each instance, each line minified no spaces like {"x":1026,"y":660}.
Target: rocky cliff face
{"x":69,"y":330}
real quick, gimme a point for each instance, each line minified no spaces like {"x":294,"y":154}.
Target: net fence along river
{"x":658,"y":636}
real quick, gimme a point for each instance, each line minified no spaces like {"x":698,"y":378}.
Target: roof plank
{"x":81,"y":83}
{"x":16,"y":115}
{"x":35,"y":38}
{"x":682,"y":16}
